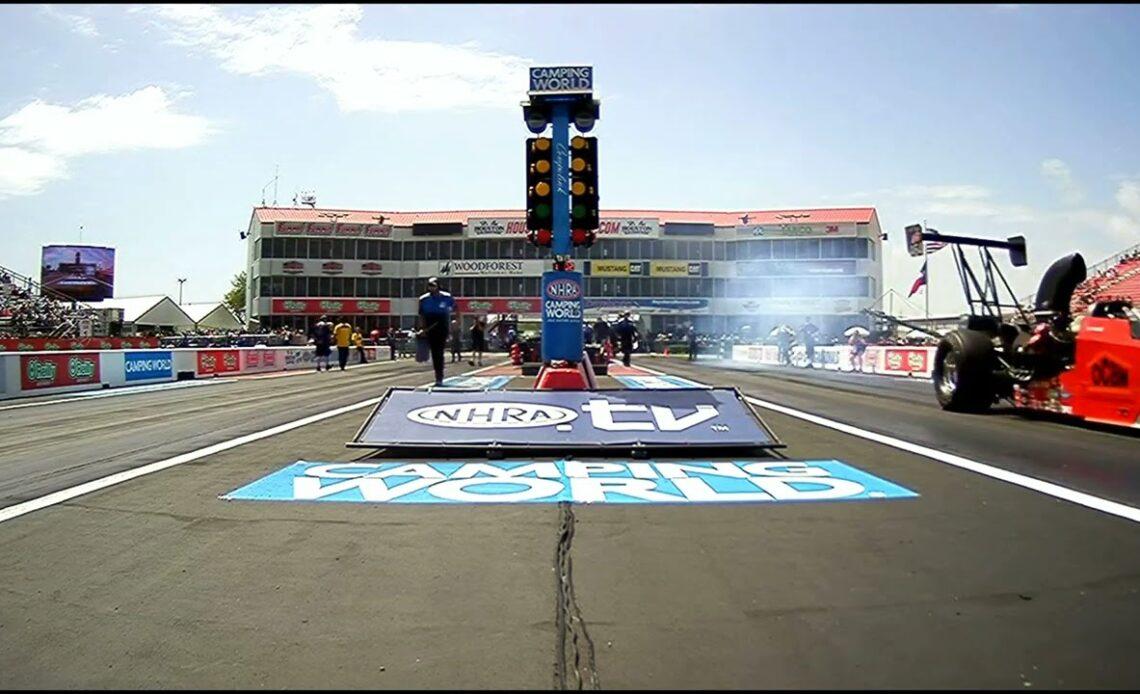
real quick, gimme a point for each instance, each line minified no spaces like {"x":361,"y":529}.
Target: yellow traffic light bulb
{"x":541,"y":144}
{"x":542,"y":166}
{"x":578,"y":188}
{"x":542,"y":188}
{"x":578,"y":142}
{"x":578,"y":165}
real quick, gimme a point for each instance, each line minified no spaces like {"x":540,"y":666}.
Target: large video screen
{"x":82,"y":273}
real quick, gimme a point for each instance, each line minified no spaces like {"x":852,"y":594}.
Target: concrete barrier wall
{"x":27,"y":374}
{"x":887,"y":360}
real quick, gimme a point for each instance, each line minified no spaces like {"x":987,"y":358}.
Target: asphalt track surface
{"x":155,"y":582}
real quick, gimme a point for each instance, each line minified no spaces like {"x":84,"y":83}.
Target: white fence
{"x":27,"y":374}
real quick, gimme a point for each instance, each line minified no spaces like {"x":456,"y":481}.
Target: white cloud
{"x":78,"y":24}
{"x":362,"y":74}
{"x":37,"y":141}
{"x":23,"y":172}
{"x":1058,"y":174}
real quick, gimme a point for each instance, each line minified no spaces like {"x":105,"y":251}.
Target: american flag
{"x":934,"y":246}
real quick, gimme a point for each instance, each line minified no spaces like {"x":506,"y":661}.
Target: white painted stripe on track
{"x":1048,"y":488}
{"x":20,"y":509}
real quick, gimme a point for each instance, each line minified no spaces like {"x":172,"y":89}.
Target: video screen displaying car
{"x":81,"y":273}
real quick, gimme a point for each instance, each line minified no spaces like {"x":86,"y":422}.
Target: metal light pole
{"x":181,"y":280}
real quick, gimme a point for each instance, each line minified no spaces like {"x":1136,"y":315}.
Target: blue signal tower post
{"x":558,"y":95}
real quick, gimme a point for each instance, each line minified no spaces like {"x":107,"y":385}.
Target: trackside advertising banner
{"x":58,"y":370}
{"x":618,"y":482}
{"x":564,"y":419}
{"x":145,"y":366}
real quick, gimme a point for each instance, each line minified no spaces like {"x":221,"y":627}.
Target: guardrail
{"x":28,"y":374}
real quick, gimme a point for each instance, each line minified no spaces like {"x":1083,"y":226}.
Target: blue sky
{"x":156,"y":127}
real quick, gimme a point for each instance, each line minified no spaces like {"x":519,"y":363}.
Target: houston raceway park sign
{"x":513,"y":482}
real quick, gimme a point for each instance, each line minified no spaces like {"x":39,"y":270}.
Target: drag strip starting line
{"x":10,"y":512}
{"x":1048,"y":488}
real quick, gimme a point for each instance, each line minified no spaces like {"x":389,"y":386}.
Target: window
{"x":288,"y":249}
{"x":783,"y":249}
{"x":807,"y":249}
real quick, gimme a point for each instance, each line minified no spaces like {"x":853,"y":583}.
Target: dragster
{"x":1086,"y":366}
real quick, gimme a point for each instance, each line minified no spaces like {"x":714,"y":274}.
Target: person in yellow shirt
{"x":358,"y":340}
{"x":342,"y":333}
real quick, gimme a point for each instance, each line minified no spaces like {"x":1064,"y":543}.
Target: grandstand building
{"x":719,"y":270}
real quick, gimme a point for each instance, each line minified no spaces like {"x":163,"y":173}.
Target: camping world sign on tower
{"x":578,"y":79}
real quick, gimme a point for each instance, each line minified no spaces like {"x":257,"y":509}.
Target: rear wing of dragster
{"x":981,"y":289}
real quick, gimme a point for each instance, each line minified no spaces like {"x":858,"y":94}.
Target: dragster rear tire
{"x":963,"y":373}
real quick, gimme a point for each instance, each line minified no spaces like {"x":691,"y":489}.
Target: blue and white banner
{"x":477,"y":382}
{"x":683,"y":418}
{"x":512,"y":482}
{"x":662,"y":382}
{"x":562,"y":316}
{"x":148,"y":365}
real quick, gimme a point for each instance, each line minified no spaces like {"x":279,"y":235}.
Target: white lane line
{"x":1048,"y":488}
{"x":115,"y":392}
{"x":10,"y":512}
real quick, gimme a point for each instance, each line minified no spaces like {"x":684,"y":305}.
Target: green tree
{"x":235,"y":297}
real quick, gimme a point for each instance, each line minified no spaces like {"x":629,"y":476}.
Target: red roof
{"x":833,"y":215}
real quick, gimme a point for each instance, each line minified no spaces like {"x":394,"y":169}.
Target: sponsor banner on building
{"x":348,"y":231}
{"x":648,"y":306}
{"x":560,"y":419}
{"x":790,"y":305}
{"x":331,"y":307}
{"x":675,"y":268}
{"x":794,"y":230}
{"x":218,"y":361}
{"x":481,"y":268}
{"x":629,"y":228}
{"x":145,"y":366}
{"x":52,"y":344}
{"x":58,"y":370}
{"x":496,"y":227}
{"x":610,"y":482}
{"x":784,"y":268}
{"x":498,"y":305}
{"x":608,"y":268}
{"x":334,"y":268}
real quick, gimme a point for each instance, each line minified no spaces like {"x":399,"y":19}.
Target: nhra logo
{"x":293,"y":267}
{"x":332,"y":268}
{"x":492,"y":415}
{"x":372,"y":268}
{"x":565,"y":289}
{"x":1108,"y":373}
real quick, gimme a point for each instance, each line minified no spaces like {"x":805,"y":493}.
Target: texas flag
{"x":919,"y":282}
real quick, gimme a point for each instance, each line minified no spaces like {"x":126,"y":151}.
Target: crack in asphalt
{"x":575,"y":666}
